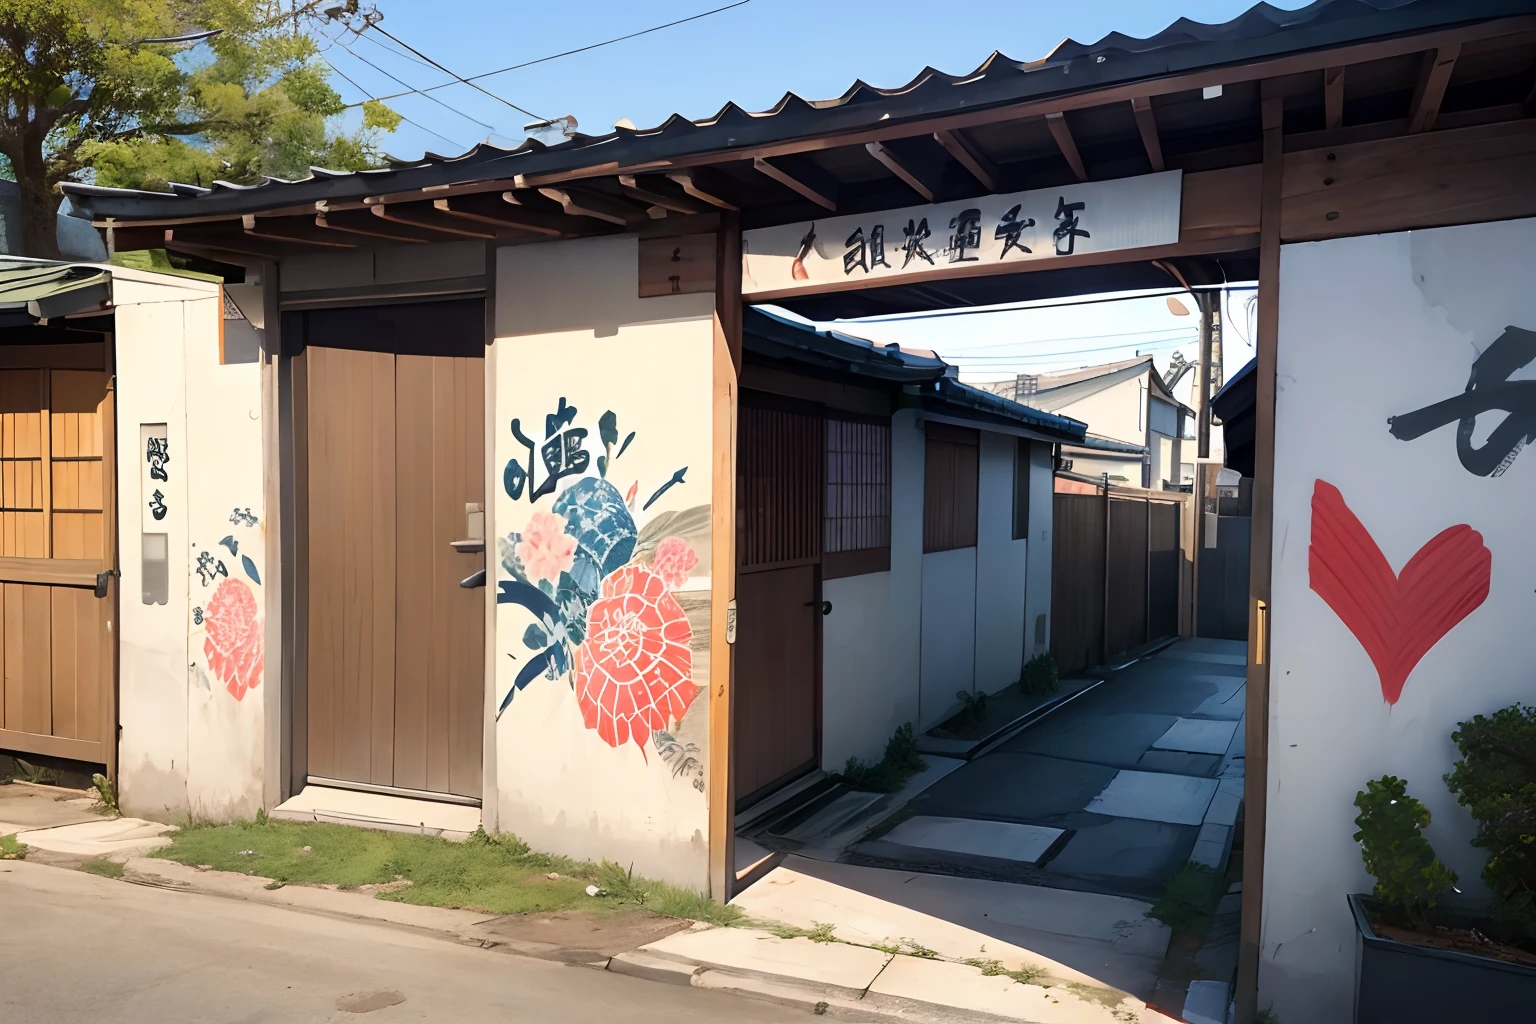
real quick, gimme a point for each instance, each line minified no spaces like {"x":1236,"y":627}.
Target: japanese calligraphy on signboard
{"x":974,"y":235}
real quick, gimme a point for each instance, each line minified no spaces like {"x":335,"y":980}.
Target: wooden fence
{"x":1121,"y":573}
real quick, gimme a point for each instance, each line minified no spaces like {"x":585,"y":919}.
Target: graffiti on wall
{"x":1396,"y":617}
{"x":603,"y":591}
{"x":1488,"y":389}
{"x":233,"y":644}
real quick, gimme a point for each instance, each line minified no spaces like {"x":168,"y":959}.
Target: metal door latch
{"x":824,"y":606}
{"x":474,"y":528}
{"x":101,"y":581}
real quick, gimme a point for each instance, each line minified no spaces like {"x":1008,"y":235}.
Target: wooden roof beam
{"x":214,"y":246}
{"x":971,"y":158}
{"x":702,"y":184}
{"x":584,"y":204}
{"x":658,"y":192}
{"x":416,"y":217}
{"x":502,"y":212}
{"x":1434,"y":76}
{"x":1333,"y":98}
{"x":276,"y":231}
{"x":1057,"y":122}
{"x":903,"y":168}
{"x":803,"y":177}
{"x":1146,"y":124}
{"x":348,"y":223}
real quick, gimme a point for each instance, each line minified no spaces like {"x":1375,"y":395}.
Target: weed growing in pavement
{"x":106,"y":796}
{"x":10,"y":849}
{"x":1189,"y":899}
{"x":891,"y":772}
{"x":1040,"y":675}
{"x":821,"y":932}
{"x":1028,"y":974}
{"x":103,"y":867}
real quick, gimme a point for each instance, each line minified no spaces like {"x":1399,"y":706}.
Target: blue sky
{"x":751,"y":55}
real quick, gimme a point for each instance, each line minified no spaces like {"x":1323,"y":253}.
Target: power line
{"x":413,"y":89}
{"x":393,"y":50}
{"x":1092,"y":337}
{"x":984,"y":310}
{"x":1016,"y":360}
{"x":365,"y":92}
{"x":568,"y":53}
{"x":455,"y":74}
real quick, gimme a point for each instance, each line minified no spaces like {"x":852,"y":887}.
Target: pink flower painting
{"x":233,"y":645}
{"x":545,"y":549}
{"x":634,"y":668}
{"x":673,"y":561}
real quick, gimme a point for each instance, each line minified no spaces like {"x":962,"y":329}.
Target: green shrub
{"x":1189,"y":899}
{"x":1040,"y":675}
{"x":1409,"y":877}
{"x":1496,"y":780}
{"x":891,"y":772}
{"x":972,"y":705}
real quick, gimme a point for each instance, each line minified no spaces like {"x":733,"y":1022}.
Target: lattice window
{"x":51,"y":486}
{"x":950,"y":482}
{"x":858,"y":501}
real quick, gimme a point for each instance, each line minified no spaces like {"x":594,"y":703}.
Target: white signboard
{"x":972,"y":235}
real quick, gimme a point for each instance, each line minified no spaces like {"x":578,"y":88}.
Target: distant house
{"x":1126,"y":401}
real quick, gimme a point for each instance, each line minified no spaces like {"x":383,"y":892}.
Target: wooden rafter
{"x":802,"y":177}
{"x":1057,"y":122}
{"x":882,"y":152}
{"x":334,"y":222}
{"x":659,"y":195}
{"x":1433,"y":78}
{"x":585,"y":205}
{"x":1146,"y":124}
{"x":969,"y":157}
{"x":277,"y":231}
{"x":200,"y":244}
{"x":699,"y":183}
{"x":1333,"y":98}
{"x":416,"y":217}
{"x":505,"y":215}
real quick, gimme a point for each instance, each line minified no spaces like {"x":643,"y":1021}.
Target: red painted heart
{"x":1396,"y":617}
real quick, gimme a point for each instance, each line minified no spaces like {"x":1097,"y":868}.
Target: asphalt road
{"x":76,"y":947}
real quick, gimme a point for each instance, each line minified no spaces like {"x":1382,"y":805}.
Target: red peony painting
{"x":633,"y":672}
{"x":234,"y":643}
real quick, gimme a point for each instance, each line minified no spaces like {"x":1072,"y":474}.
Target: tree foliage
{"x":85,"y":94}
{"x":1409,"y":877}
{"x":1496,"y":780}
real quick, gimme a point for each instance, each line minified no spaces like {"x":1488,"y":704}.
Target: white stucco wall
{"x":948,"y":631}
{"x":1118,"y":411}
{"x":1372,"y":328}
{"x":1037,"y":593}
{"x":1001,"y":568}
{"x":872,"y":641}
{"x":570,"y":328}
{"x":192,"y":731}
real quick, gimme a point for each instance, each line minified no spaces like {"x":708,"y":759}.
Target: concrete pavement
{"x":79,"y":948}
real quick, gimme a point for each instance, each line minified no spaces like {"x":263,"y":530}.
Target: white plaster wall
{"x":949,"y":632}
{"x":187,"y":746}
{"x":871,"y":647}
{"x":1037,"y":593}
{"x":153,"y":692}
{"x":569,"y":325}
{"x":1000,"y":570}
{"x":1117,"y":411}
{"x":1371,"y":328}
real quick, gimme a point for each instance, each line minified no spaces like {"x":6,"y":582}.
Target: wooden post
{"x":1146,"y":618}
{"x":1256,"y":720}
{"x":727,"y":368}
{"x":1104,"y":631}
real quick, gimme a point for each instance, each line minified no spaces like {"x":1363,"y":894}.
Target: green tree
{"x":84,"y":90}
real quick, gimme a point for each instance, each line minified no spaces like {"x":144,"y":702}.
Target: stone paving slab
{"x":118,"y":838}
{"x":24,"y":806}
{"x":1178,"y":762}
{"x":1114,"y":738}
{"x":1197,"y":736}
{"x":1003,"y":840}
{"x":1016,"y":786}
{"x":1125,"y":855}
{"x":1154,"y":796}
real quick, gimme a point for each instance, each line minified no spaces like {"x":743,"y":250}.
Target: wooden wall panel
{"x":1077,"y":580}
{"x":1126,"y":627}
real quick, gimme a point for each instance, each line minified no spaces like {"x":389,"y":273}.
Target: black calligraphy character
{"x":877,"y":247}
{"x":157,"y":505}
{"x":563,"y":453}
{"x":1067,"y":231}
{"x":966,"y":234}
{"x":913,"y":246}
{"x":857,"y":254}
{"x":157,"y":454}
{"x":1488,"y":388}
{"x":197,"y":616}
{"x":208,"y":568}
{"x":1010,"y":228}
{"x":242,"y":517}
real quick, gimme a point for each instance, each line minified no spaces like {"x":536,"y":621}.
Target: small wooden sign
{"x":681,"y":265}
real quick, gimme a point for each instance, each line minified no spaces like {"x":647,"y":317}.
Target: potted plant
{"x":1417,"y":960}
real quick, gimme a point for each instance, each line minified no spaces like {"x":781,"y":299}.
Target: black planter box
{"x":1400,"y":983}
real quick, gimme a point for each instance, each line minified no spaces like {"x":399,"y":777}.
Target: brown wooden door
{"x":777,"y":666}
{"x":395,"y":646}
{"x":56,"y":530}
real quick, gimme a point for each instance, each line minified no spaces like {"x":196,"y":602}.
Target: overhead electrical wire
{"x":883,"y":318}
{"x":365,"y":92}
{"x":567,"y":53}
{"x":1038,"y":357}
{"x":1094,"y":337}
{"x":413,"y":90}
{"x":461,"y":78}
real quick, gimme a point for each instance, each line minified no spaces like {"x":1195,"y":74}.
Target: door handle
{"x":471,"y":582}
{"x":474,"y":529}
{"x":101,"y":581}
{"x":826,"y":606}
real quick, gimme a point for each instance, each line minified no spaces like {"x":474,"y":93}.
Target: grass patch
{"x":496,"y":874}
{"x":103,"y":867}
{"x":1189,"y":899}
{"x":1025,"y":975}
{"x":891,"y":772}
{"x":10,"y":849}
{"x":821,"y":932}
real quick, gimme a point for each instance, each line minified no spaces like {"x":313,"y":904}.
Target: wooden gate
{"x":780,"y":485}
{"x":394,"y":447}
{"x":57,"y":538}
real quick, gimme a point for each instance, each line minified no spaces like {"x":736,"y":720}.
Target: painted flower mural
{"x":233,"y":645}
{"x":602,"y":591}
{"x":633,"y":676}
